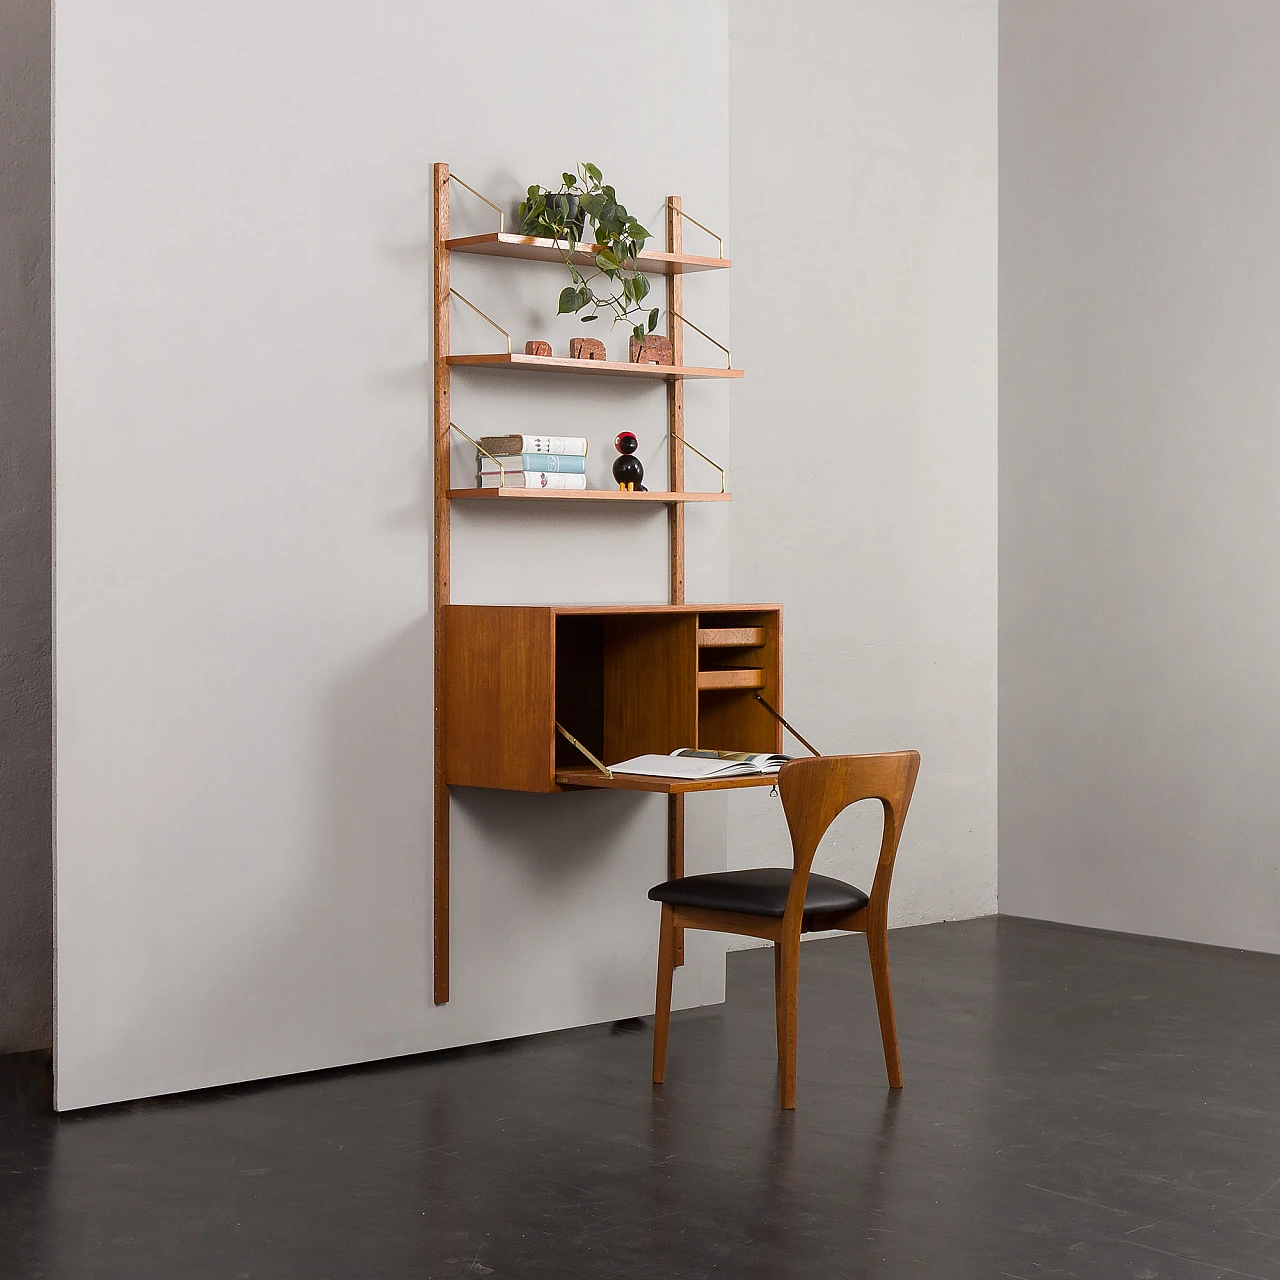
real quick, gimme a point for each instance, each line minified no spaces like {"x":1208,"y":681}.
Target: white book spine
{"x":575,"y":445}
{"x":533,"y":480}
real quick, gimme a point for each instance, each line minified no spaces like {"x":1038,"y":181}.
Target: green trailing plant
{"x":617,"y":238}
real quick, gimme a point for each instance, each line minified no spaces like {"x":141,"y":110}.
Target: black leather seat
{"x":761,"y":891}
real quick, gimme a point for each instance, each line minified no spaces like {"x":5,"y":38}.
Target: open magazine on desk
{"x":688,"y":763}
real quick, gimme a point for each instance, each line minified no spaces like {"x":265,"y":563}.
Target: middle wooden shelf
{"x":605,"y":368}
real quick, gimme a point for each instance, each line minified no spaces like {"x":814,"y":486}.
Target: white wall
{"x":244,"y":662}
{"x":243,"y":636}
{"x":26,"y":592}
{"x":864,"y":438}
{"x":1140,"y":466}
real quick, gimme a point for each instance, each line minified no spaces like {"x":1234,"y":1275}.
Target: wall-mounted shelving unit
{"x":508,"y":678}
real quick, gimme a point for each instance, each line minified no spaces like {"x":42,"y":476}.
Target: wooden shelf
{"x":663,"y":786}
{"x":585,"y":495}
{"x":737,"y":678}
{"x":730,"y":637}
{"x":533,"y":249}
{"x":607,"y":368}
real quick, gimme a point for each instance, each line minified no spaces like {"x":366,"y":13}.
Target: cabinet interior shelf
{"x":733,"y":678}
{"x":585,"y":495}
{"x":607,"y":368}
{"x":533,"y":249}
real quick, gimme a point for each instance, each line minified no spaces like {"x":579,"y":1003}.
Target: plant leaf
{"x":568,"y":300}
{"x":593,"y":171}
{"x":653,"y":319}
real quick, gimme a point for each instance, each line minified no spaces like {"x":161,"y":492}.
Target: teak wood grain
{"x":650,"y":684}
{"x":729,"y":717}
{"x":730,"y":637}
{"x":614,"y":496}
{"x":595,"y":368}
{"x":501,"y":696}
{"x":443,"y":560}
{"x":742,"y":678}
{"x":575,"y":778}
{"x":815,"y":791}
{"x":535,"y":249}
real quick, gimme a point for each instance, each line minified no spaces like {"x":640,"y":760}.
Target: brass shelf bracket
{"x":688,"y":218}
{"x":493,"y":322}
{"x":480,"y":196}
{"x":727,"y":353}
{"x":568,"y":737}
{"x":675,"y":436}
{"x":777,"y":715}
{"x":502,"y":476}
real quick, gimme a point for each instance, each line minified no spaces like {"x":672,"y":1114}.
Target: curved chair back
{"x":816,"y":790}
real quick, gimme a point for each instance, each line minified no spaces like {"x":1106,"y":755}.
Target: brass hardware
{"x":709,"y":338}
{"x":494,"y":323}
{"x":696,"y":223}
{"x":502,"y":479}
{"x":501,"y":216}
{"x":704,"y":457}
{"x":568,"y":737}
{"x":803,"y":742}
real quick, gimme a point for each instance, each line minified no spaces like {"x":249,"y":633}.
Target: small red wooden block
{"x":586,"y":349}
{"x":653,"y":349}
{"x":534,"y":348}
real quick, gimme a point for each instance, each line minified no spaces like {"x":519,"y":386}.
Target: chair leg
{"x":878,"y":949}
{"x":779,"y":1016}
{"x":787,"y":1002}
{"x":662,"y":1003}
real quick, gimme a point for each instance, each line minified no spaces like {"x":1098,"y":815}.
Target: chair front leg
{"x":878,"y":949}
{"x":662,"y":1003}
{"x":788,"y":997}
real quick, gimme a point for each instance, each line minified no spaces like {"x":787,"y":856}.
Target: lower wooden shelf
{"x":663,"y":786}
{"x":733,"y":678}
{"x":583,"y":495}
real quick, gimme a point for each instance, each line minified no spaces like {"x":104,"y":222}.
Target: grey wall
{"x":864,"y":157}
{"x":26,"y":806}
{"x":243,"y":530}
{"x":1140,"y":466}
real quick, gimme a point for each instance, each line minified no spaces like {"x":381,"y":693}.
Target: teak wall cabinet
{"x":623,"y":679}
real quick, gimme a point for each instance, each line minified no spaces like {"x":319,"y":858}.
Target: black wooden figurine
{"x":628,"y":470}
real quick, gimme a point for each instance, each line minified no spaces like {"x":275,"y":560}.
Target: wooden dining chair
{"x":780,"y":904}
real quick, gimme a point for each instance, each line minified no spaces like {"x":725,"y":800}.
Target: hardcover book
{"x":501,"y":446}
{"x":531,"y":480}
{"x":564,"y":462}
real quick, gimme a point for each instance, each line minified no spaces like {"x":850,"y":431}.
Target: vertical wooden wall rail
{"x":440,"y":876}
{"x":675,"y":516}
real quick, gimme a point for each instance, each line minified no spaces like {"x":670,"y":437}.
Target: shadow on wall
{"x":306,"y":959}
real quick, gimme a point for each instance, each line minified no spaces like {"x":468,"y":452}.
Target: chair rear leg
{"x":662,"y":1003}
{"x":788,"y":1000}
{"x":878,"y":949}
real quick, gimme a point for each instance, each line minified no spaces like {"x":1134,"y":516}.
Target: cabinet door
{"x":650,"y":684}
{"x":499,"y":697}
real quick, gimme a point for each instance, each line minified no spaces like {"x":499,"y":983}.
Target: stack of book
{"x":532,"y":462}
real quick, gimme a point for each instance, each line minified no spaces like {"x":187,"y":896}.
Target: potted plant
{"x":561,"y":215}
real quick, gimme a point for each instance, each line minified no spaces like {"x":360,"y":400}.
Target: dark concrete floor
{"x":1076,"y":1105}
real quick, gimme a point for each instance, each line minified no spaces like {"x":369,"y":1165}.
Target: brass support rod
{"x":495,"y":324}
{"x":709,"y":338}
{"x":568,"y":737}
{"x":501,"y":216}
{"x":804,"y":742}
{"x":696,"y":223}
{"x":502,"y":479}
{"x":702,"y":455}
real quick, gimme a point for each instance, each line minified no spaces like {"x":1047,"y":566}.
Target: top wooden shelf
{"x":498,"y":244}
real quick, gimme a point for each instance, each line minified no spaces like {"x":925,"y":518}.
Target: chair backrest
{"x":816,"y":790}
